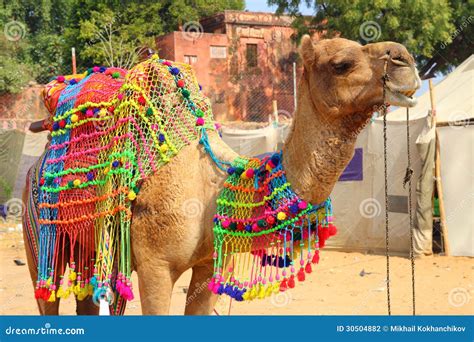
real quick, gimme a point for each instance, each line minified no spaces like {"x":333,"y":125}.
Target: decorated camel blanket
{"x":110,"y":130}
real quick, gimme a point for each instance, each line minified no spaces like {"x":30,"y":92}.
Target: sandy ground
{"x":342,"y":284}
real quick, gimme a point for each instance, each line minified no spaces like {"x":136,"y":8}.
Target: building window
{"x":251,"y":55}
{"x":190,"y":59}
{"x":218,"y":52}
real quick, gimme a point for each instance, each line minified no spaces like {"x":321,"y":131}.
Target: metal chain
{"x":384,"y":113}
{"x":409,"y":173}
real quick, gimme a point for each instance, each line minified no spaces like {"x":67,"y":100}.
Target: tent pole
{"x":439,"y":186}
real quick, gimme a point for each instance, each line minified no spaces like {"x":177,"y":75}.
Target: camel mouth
{"x":401,"y":98}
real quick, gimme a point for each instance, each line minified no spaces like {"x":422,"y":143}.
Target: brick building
{"x":243,"y":60}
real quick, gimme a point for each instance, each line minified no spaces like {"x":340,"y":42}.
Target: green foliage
{"x":104,"y":32}
{"x":423,"y":26}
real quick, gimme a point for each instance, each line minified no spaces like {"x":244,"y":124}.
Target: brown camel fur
{"x":172,"y":224}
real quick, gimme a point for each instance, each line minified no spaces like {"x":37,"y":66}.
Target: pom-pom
{"x":248,"y":228}
{"x":301,"y":275}
{"x":141,"y":100}
{"x":315,"y":259}
{"x":62,"y":123}
{"x":72,"y":82}
{"x":281,"y":216}
{"x":115,"y":163}
{"x":180,"y":83}
{"x":161,"y":138}
{"x":116,"y":74}
{"x":302,"y":205}
{"x":270,"y":219}
{"x":308,"y":269}
{"x":41,"y":182}
{"x":89,"y":113}
{"x":60,"y":79}
{"x":332,"y":230}
{"x":120,"y":96}
{"x":76,"y":182}
{"x":96,"y":69}
{"x":164,"y":148}
{"x":283,"y":286}
{"x":186,"y":93}
{"x":132,"y":195}
{"x":74,"y":118}
{"x":199,"y":113}
{"x":72,"y":276}
{"x":199,"y":122}
{"x":149,"y":111}
{"x":225,"y":224}
{"x":102,"y":69}
{"x":174,"y":70}
{"x":250,"y":173}
{"x":230,"y":170}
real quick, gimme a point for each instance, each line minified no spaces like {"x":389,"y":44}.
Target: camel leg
{"x":86,"y":307}
{"x":200,"y":301}
{"x":156,"y":285}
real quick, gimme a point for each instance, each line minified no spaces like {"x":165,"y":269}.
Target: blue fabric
{"x":354,"y":171}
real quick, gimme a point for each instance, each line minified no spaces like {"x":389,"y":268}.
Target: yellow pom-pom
{"x":72,"y":276}
{"x":52,"y":297}
{"x":253,"y":293}
{"x":76,"y":182}
{"x":164,"y":148}
{"x":155,"y":56}
{"x":261,"y":292}
{"x":243,"y":176}
{"x":106,"y":170}
{"x":76,"y":289}
{"x":269,"y":290}
{"x":66,"y":293}
{"x":276,"y":288}
{"x":246,"y":295}
{"x":103,"y":112}
{"x":74,"y":118}
{"x":132,"y":195}
{"x":60,"y":293}
{"x":281,"y":216}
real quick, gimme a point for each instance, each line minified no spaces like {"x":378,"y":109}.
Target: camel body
{"x":339,"y":90}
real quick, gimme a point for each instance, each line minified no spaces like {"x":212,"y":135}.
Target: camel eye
{"x":343,"y":67}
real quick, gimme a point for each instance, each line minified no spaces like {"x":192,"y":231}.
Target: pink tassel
{"x":315,"y":258}
{"x":301,"y":275}
{"x":308,"y":268}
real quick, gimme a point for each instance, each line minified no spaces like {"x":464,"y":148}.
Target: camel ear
{"x":307,"y":50}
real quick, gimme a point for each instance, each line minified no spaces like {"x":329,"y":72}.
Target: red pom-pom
{"x":291,"y":282}
{"x":283,"y":286}
{"x":38,"y":293}
{"x":42,"y":181}
{"x":332,"y":230}
{"x":62,"y":123}
{"x":308,"y":269}
{"x":111,"y":109}
{"x":141,"y":100}
{"x":180,"y":83}
{"x":301,"y":275}
{"x":60,"y":79}
{"x":270,"y":220}
{"x":323,"y":234}
{"x":199,"y":122}
{"x":315,"y":258}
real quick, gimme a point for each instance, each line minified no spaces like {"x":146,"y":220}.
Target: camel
{"x":171,"y":231}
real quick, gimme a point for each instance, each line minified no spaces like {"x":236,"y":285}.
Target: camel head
{"x":345,"y":78}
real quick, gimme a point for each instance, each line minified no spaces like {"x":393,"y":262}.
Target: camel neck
{"x":318,"y":147}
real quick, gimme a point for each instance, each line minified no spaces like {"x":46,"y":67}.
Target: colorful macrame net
{"x":111,"y":129}
{"x":265,"y":235}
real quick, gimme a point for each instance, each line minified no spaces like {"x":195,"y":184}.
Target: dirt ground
{"x":342,"y":284}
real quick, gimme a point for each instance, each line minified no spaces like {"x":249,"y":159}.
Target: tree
{"x":429,"y":29}
{"x":104,"y":32}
